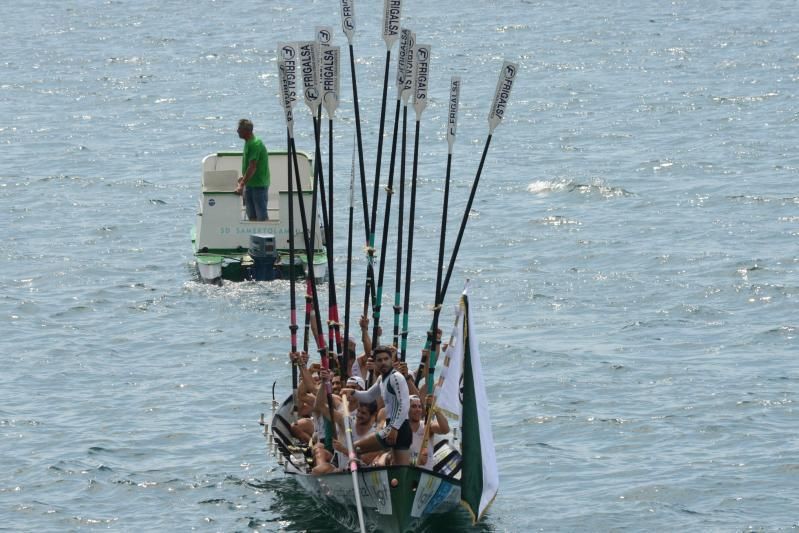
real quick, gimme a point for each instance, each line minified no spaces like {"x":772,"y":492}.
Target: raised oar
{"x":287,"y":68}
{"x":404,"y":80}
{"x":452,"y":126}
{"x":348,"y":25}
{"x":420,"y":86}
{"x":329,"y":76}
{"x":293,"y":326}
{"x":507,"y":76}
{"x":319,"y":183}
{"x":309,"y":69}
{"x":391,"y":31}
{"x":348,"y":291}
{"x":320,"y":338}
{"x":324,"y":35}
{"x":288,"y":96}
{"x":377,"y":303}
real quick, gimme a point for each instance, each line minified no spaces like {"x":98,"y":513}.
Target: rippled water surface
{"x":632,"y":251}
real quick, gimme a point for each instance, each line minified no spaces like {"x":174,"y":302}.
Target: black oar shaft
{"x":433,"y":340}
{"x":378,"y":301}
{"x":359,"y":139}
{"x":443,"y":292}
{"x":409,"y":260}
{"x":464,"y":219}
{"x":400,"y":221}
{"x":373,"y":221}
{"x":347,"y":290}
{"x":333,"y":327}
{"x":292,"y":296}
{"x":309,"y":251}
{"x":369,"y":289}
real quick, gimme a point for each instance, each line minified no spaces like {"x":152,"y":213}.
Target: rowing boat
{"x":384,"y":498}
{"x":398,"y":498}
{"x":404,"y":498}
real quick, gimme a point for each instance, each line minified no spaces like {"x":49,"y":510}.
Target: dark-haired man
{"x":396,"y":435}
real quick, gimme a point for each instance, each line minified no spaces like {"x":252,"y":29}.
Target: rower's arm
{"x":441,"y":424}
{"x":365,"y":338}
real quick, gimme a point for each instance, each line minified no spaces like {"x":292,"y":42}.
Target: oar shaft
{"x":464,"y":219}
{"x":335,"y":328}
{"x":369,"y":289}
{"x":320,"y":339}
{"x":409,"y":261}
{"x":400,"y":220}
{"x":432,"y":335}
{"x":292,"y":296}
{"x":443,"y":292}
{"x":378,"y":302}
{"x":348,"y":288}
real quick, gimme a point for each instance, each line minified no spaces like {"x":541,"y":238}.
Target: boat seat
{"x":220,"y":180}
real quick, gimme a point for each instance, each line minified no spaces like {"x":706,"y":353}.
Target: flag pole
{"x":452,"y":125}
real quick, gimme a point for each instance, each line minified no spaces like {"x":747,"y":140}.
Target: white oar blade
{"x":348,"y":18}
{"x":402,"y":57}
{"x":452,"y":117}
{"x":504,"y":85}
{"x":410,"y":61}
{"x":421,"y":78}
{"x":330,"y":78}
{"x":324,"y":35}
{"x":287,"y":68}
{"x":391,"y":21}
{"x":309,"y":54}
{"x":284,"y":97}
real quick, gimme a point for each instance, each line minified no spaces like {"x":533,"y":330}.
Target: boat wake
{"x":596,"y":187}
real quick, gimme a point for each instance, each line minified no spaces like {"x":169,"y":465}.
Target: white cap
{"x":356,"y":380}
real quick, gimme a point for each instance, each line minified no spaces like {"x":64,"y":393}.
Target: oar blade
{"x":452,"y":117}
{"x":309,"y":66}
{"x":421,"y":78}
{"x":392,"y":10}
{"x":348,"y":18}
{"x":410,"y":61}
{"x":324,"y":35}
{"x":331,"y":65}
{"x":402,"y":58}
{"x":507,"y":76}
{"x":287,"y":69}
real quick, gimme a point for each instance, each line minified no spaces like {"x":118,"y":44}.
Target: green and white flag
{"x":448,"y":387}
{"x":479,"y":478}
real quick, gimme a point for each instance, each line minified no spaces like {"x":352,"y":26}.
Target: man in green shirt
{"x":254,"y":180}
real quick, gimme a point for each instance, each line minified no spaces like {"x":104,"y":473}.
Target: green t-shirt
{"x":254,"y":150}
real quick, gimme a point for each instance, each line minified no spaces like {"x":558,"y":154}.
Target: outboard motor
{"x":264,"y":255}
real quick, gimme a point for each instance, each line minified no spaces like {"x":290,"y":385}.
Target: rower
{"x":393,"y":388}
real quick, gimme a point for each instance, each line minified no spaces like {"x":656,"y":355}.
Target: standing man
{"x":254,"y":180}
{"x":396,"y":436}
